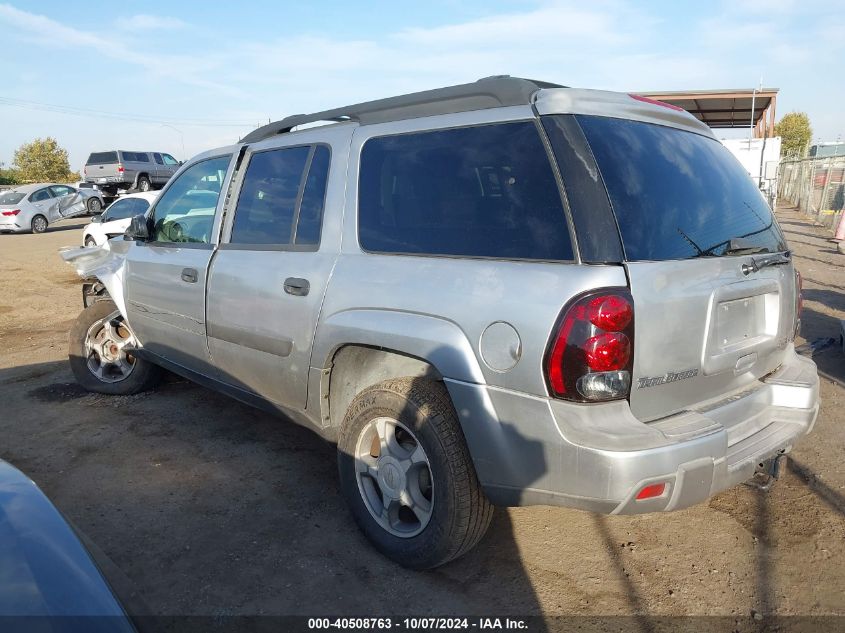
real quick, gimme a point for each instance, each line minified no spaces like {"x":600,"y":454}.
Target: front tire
{"x":89,"y":242}
{"x":98,"y":356}
{"x":144,"y":184}
{"x":407,"y":474}
{"x":39,"y":224}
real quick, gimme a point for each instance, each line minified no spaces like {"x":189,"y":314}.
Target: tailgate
{"x":708,"y":267}
{"x":102,"y":167}
{"x":705,"y":330}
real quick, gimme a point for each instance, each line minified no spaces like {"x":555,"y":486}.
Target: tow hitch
{"x":767,"y":472}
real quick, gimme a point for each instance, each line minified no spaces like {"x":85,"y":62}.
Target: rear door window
{"x":484,"y":191}
{"x":282,"y":196}
{"x":41,"y":194}
{"x":677,"y":194}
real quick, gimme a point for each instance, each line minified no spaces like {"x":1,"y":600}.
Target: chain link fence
{"x":816,"y":186}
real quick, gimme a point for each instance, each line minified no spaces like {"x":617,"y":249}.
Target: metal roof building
{"x":731,"y":108}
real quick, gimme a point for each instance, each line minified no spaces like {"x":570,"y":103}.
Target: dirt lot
{"x":213,"y":508}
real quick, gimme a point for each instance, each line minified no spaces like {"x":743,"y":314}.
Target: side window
{"x":483,"y":191}
{"x":266,"y":207}
{"x":185,"y":212}
{"x":61,"y":190}
{"x":169,"y":160}
{"x":126,"y":208}
{"x":41,"y":194}
{"x":158,"y":159}
{"x":313,"y":198}
{"x":142,"y":157}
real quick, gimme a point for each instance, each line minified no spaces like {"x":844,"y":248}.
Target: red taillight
{"x":608,"y":352}
{"x":651,"y":491}
{"x":611,"y":313}
{"x":591,"y":355}
{"x":13,"y":212}
{"x":662,"y":104}
{"x":120,"y":169}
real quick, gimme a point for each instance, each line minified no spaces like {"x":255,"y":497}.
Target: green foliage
{"x":42,"y":160}
{"x":9,"y":177}
{"x":795,"y":132}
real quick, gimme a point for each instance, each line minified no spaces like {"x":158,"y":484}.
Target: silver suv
{"x":500,"y":293}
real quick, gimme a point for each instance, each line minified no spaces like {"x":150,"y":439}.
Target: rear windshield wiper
{"x":742,"y":246}
{"x":775,"y":259}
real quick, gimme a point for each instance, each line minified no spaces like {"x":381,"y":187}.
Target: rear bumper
{"x":530,"y":450}
{"x":11,"y":226}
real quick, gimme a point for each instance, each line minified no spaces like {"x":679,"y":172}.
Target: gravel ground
{"x":213,"y":508}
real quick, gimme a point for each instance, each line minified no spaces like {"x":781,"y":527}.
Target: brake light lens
{"x":651,"y":491}
{"x":590,"y":357}
{"x":120,"y":169}
{"x":662,"y":104}
{"x":12,"y":212}
{"x":608,"y":352}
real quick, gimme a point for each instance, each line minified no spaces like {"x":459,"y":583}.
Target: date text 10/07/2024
{"x":483,"y":624}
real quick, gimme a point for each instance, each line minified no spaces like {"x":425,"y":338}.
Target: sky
{"x":187,"y":76}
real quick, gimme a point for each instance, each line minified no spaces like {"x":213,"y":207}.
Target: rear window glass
{"x":485,"y":191}
{"x":676,"y":194}
{"x":11,"y":197}
{"x":102,"y":158}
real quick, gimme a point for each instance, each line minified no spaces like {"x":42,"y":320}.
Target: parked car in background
{"x":122,"y":170}
{"x":50,"y":580}
{"x":501,"y":293}
{"x":35,"y":207}
{"x":115,"y":219}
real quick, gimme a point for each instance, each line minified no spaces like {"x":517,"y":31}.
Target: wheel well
{"x":356,"y":367}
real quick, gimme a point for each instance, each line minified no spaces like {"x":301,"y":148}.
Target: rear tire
{"x":425,"y":520}
{"x":97,"y":359}
{"x":144,"y":184}
{"x":94,"y":206}
{"x":39,"y":224}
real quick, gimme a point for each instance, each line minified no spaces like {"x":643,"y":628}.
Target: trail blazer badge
{"x":670,"y":376}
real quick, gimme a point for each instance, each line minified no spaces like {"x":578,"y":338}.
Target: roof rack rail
{"x":490,"y":92}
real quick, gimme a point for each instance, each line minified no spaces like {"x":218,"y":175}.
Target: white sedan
{"x":34,"y":207}
{"x":116,"y":218}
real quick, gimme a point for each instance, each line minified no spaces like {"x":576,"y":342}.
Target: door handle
{"x":297,"y":286}
{"x":189,"y":275}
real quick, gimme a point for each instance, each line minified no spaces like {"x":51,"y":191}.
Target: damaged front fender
{"x":105,"y":263}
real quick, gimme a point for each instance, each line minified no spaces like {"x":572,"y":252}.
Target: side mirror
{"x":180,"y":162}
{"x":97,"y":218}
{"x":139,"y":229}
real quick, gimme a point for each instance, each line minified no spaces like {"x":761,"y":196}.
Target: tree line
{"x":42,"y":160}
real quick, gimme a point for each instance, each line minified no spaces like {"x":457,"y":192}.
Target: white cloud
{"x":144,"y":22}
{"x":53,"y":34}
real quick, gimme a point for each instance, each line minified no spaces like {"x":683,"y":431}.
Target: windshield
{"x":676,"y":194}
{"x":11,"y":197}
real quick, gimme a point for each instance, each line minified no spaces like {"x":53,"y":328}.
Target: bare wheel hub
{"x":106,"y":345}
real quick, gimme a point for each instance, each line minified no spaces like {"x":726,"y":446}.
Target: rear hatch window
{"x":102,"y":158}
{"x":707,"y":324}
{"x":676,"y":194}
